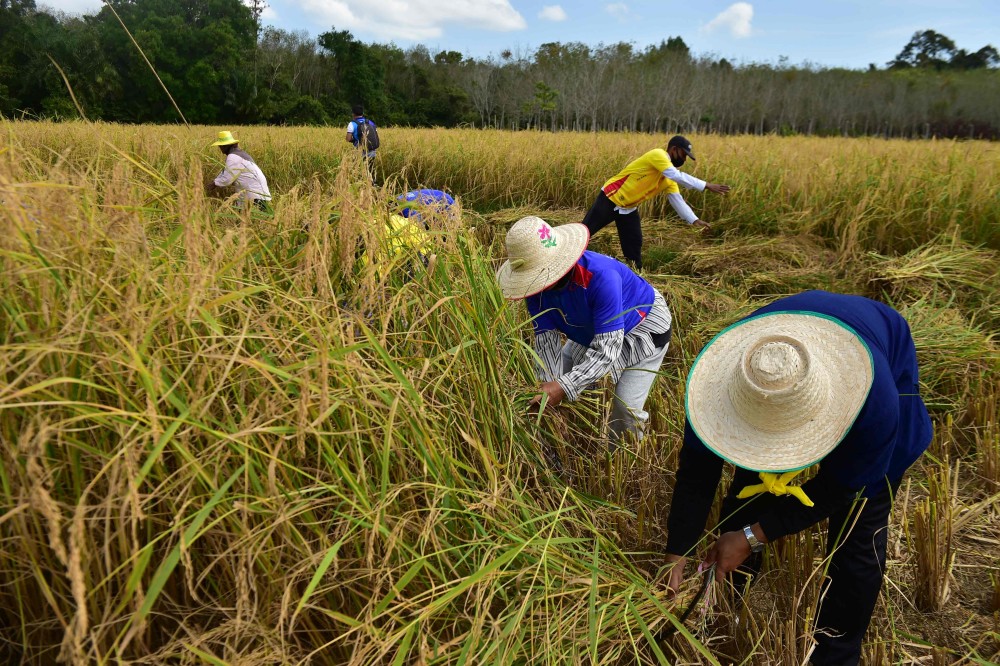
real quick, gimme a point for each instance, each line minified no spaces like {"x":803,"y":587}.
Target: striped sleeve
{"x":549,"y":351}
{"x":604,"y":350}
{"x":639,"y":343}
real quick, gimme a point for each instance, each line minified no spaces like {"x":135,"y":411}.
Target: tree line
{"x":221,"y":65}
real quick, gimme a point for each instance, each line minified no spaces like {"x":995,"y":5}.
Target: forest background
{"x":222,"y":65}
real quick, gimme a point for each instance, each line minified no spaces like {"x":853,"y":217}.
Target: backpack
{"x":365,"y":134}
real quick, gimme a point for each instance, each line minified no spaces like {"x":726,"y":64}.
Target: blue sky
{"x":845,"y":33}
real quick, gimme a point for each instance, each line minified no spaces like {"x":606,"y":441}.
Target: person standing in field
{"x":361,"y":132}
{"x":654,"y":172}
{"x":614,"y":321}
{"x":243,"y":173}
{"x":416,"y":204}
{"x":811,"y":378}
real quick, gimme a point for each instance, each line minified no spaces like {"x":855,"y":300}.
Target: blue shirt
{"x":422,"y":199}
{"x":604,"y":295}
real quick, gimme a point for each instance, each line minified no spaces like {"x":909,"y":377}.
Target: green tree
{"x":448,"y":58}
{"x":199,"y":49}
{"x":359,"y":74}
{"x":984,"y":57}
{"x":543,"y":102}
{"x":926,"y":48}
{"x":16,"y":53}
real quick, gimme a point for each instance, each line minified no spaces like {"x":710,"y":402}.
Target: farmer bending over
{"x":642,"y":179}
{"x":614,"y":321}
{"x":811,"y":377}
{"x":400,"y":242}
{"x":424,"y":205}
{"x":242,"y":173}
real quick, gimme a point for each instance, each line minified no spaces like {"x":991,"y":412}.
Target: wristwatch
{"x":755,"y":545}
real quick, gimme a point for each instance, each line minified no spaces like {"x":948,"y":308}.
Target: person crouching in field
{"x":811,"y":377}
{"x":402,"y":244}
{"x":614,"y":320}
{"x":418,"y":204}
{"x":642,"y":179}
{"x":242,"y":173}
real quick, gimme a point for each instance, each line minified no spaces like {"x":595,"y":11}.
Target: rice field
{"x":225,"y":440}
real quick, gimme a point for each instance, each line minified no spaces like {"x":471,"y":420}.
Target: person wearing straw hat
{"x":811,"y":378}
{"x":614,"y":321}
{"x":242,"y":173}
{"x":643,"y":178}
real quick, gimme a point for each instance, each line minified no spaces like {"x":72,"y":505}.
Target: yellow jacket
{"x":401,"y":237}
{"x":641,"y":179}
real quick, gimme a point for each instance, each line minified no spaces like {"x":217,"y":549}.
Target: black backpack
{"x":365,"y":134}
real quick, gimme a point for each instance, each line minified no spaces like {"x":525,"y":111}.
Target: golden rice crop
{"x":223,"y":440}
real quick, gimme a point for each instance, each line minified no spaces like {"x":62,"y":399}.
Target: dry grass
{"x":223,"y":442}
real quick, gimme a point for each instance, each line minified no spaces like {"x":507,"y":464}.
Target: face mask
{"x":562,"y":283}
{"x":678,"y":162}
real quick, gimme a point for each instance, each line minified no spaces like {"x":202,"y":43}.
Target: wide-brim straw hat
{"x":539,"y":255}
{"x":779,"y":391}
{"x":225,"y":139}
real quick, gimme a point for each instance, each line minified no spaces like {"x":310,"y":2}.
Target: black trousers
{"x":857,"y":565}
{"x":629,"y":227}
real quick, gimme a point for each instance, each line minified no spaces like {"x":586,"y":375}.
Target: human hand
{"x":676,"y":576}
{"x":728,"y":553}
{"x":553,"y":390}
{"x":702,"y":224}
{"x":718,"y":189}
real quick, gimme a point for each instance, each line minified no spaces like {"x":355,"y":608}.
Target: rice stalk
{"x":933,"y":540}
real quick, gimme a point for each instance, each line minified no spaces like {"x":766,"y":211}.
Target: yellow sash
{"x":777,"y":485}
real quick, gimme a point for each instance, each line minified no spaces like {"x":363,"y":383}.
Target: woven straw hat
{"x":225,"y":139}
{"x":778,"y":392}
{"x":538,"y":255}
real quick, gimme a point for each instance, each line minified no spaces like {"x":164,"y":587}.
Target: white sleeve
{"x":350,"y":127}
{"x":228,"y":174}
{"x":677,"y":201}
{"x":681,"y":178}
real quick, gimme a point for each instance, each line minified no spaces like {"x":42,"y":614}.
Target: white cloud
{"x":735,"y":18}
{"x":410,"y":19}
{"x":268,"y":13}
{"x":552,"y":13}
{"x":72,"y":6}
{"x":617,"y":9}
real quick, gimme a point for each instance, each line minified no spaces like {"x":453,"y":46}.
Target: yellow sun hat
{"x":226,"y":138}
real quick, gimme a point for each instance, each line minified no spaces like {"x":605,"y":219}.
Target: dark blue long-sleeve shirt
{"x":891,"y":431}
